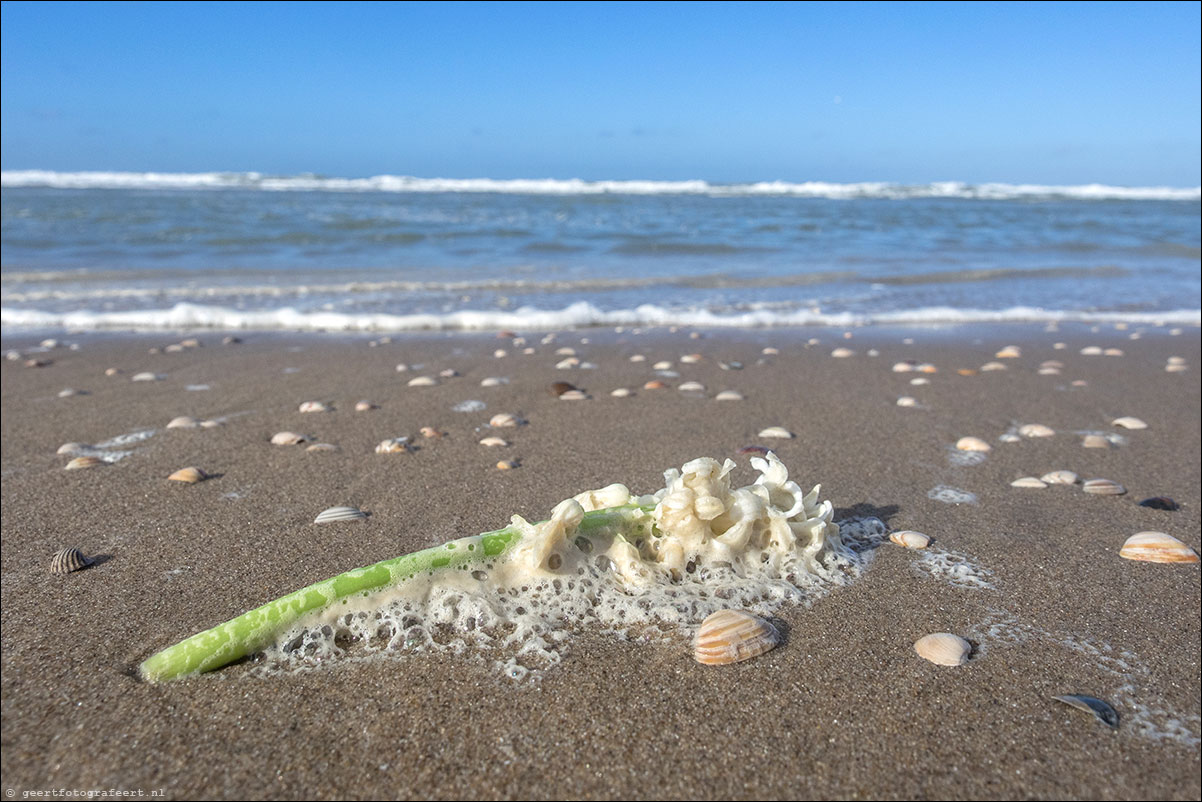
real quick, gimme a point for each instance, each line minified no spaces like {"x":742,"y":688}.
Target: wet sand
{"x":843,"y":709}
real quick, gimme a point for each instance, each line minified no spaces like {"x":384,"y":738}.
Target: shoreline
{"x":843,"y":708}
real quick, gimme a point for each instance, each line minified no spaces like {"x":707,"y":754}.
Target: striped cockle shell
{"x":943,"y":648}
{"x":731,"y":636}
{"x":973,"y":444}
{"x":1128,"y":422}
{"x":84,"y":462}
{"x":340,"y":514}
{"x":778,"y":432}
{"x":1157,"y":547}
{"x":183,"y":422}
{"x":188,"y":476}
{"x":288,"y":438}
{"x":1103,"y":487}
{"x":68,"y":560}
{"x":910,"y":539}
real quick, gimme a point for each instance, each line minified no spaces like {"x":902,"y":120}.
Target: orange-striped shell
{"x":731,"y":636}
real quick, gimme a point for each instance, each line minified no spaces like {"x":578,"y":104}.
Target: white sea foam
{"x":576,"y":186}
{"x":578,"y":315}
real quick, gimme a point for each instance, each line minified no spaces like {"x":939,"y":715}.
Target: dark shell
{"x":559,"y":388}
{"x":1160,"y":503}
{"x":1104,"y":712}
{"x":758,"y":450}
{"x":69,"y":560}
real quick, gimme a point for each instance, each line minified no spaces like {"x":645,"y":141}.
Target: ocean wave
{"x":578,"y":315}
{"x":576,"y":186}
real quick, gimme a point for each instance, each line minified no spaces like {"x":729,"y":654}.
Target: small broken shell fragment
{"x":574,"y":395}
{"x":1157,"y":547}
{"x":494,"y":442}
{"x":1103,"y":487}
{"x":1036,"y":430}
{"x":188,"y":476}
{"x":692,"y":387}
{"x":448,"y":373}
{"x":943,"y":648}
{"x":315,"y":406}
{"x":993,"y":366}
{"x":655,"y":384}
{"x":1103,"y":711}
{"x":622,"y":392}
{"x":71,"y":448}
{"x":507,"y":465}
{"x":67,"y":561}
{"x":907,"y":401}
{"x":1096,"y":441}
{"x":493,"y":381}
{"x":729,"y":395}
{"x":423,"y":381}
{"x":145,"y":377}
{"x":84,"y":462}
{"x":973,"y":444}
{"x":364,"y":406}
{"x":317,"y":447}
{"x":732,"y":636}
{"x":842,"y":353}
{"x":68,"y":392}
{"x":1009,"y":352}
{"x":1029,"y":481}
{"x":430,"y":433}
{"x":183,"y":422}
{"x":1129,"y":423}
{"x":287,"y":439}
{"x":910,"y":539}
{"x":502,"y":419}
{"x":778,"y":432}
{"x":1060,"y":478}
{"x":395,"y":445}
{"x":340,"y":514}
{"x":210,"y":424}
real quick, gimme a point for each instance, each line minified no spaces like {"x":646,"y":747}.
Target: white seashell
{"x":315,"y":406}
{"x":1079,"y":383}
{"x":573,"y":395}
{"x":68,"y":561}
{"x":1176,"y":368}
{"x":448,"y":373}
{"x":507,"y":465}
{"x":402,"y":368}
{"x":842,"y":353}
{"x":622,"y":392}
{"x":364,"y":406}
{"x":287,"y":438}
{"x":500,"y":353}
{"x":691,"y":359}
{"x":84,"y":462}
{"x":174,"y":348}
{"x":1176,"y":360}
{"x":1035,"y":430}
{"x":502,"y":419}
{"x":731,"y":636}
{"x":638,"y":358}
{"x":943,"y":648}
{"x":188,"y":476}
{"x":145,"y":377}
{"x":1113,"y":352}
{"x":1009,"y":437}
{"x":1049,"y":371}
{"x":920,"y":380}
{"x":1157,"y":547}
{"x":729,"y":395}
{"x":183,"y":422}
{"x":664,"y":365}
{"x":395,"y":445}
{"x":993,"y":366}
{"x":1091,"y":350}
{"x":210,"y":424}
{"x":423,"y":381}
{"x":1129,"y":423}
{"x":567,"y":364}
{"x":70,"y":391}
{"x":1029,"y":481}
{"x":565,"y":351}
{"x":340,"y":514}
{"x":973,"y":444}
{"x":317,"y":447}
{"x":769,"y":351}
{"x":903,"y":367}
{"x":71,"y":448}
{"x":1103,"y":487}
{"x":1009,"y":352}
{"x":778,"y":432}
{"x":1095,"y":441}
{"x":910,"y":539}
{"x":1060,"y":346}
{"x":494,"y":442}
{"x":430,"y":433}
{"x":692,"y":387}
{"x":907,"y":401}
{"x":493,"y":381}
{"x":112,"y":371}
{"x":1051,"y":363}
{"x":1060,"y":478}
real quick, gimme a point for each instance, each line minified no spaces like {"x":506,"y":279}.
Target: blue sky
{"x":1041,"y":93}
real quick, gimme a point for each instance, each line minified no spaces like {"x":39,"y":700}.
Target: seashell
{"x":1035,"y":430}
{"x":395,"y":445}
{"x":71,"y":448}
{"x":655,"y":384}
{"x":507,"y":465}
{"x":567,"y":364}
{"x":38,"y":363}
{"x":174,"y":348}
{"x":315,"y":406}
{"x":587,"y":365}
{"x":188,"y":476}
{"x":692,"y":387}
{"x":559,"y":388}
{"x":1091,"y":350}
{"x":84,"y":462}
{"x":402,"y":368}
{"x":1157,"y":547}
{"x":729,"y":395}
{"x":943,"y":648}
{"x":662,"y":365}
{"x":364,"y":406}
{"x":210,"y":424}
{"x":638,"y":358}
{"x":502,"y":419}
{"x":691,"y":359}
{"x":971,"y":371}
{"x":191,"y":342}
{"x":1049,"y":371}
{"x":68,"y":560}
{"x":920,"y":380}
{"x":842,"y":353}
{"x":903,"y":367}
{"x":1029,"y":481}
{"x":1176,"y":368}
{"x":494,"y":442}
{"x":1113,"y":352}
{"x":112,"y":371}
{"x":1095,"y":441}
{"x":430,"y":433}
{"x":287,"y":439}
{"x":145,"y":377}
{"x":1060,"y":478}
{"x":340,"y":514}
{"x":1079,"y":383}
{"x":1009,"y":437}
{"x":973,"y":444}
{"x":769,"y":351}
{"x":776,"y":431}
{"x":1103,"y":487}
{"x":758,"y":450}
{"x":423,"y":381}
{"x":1160,"y":503}
{"x":926,"y":367}
{"x":1051,"y":363}
{"x":49,"y":343}
{"x":493,"y":381}
{"x":448,"y":373}
{"x":1176,"y":360}
{"x":1009,"y":352}
{"x":1060,"y":346}
{"x":574,"y":395}
{"x":565,"y":351}
{"x":1103,"y":711}
{"x":622,"y":392}
{"x":993,"y":366}
{"x":732,"y":636}
{"x":183,"y":422}
{"x":316,"y":447}
{"x":907,"y":401}
{"x":70,"y":391}
{"x":500,"y":353}
{"x":910,"y":539}
{"x":732,"y":365}
{"x":1129,"y":423}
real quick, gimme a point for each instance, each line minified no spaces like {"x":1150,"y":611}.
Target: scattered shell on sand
{"x":993,"y":366}
{"x":622,"y":392}
{"x":662,"y":365}
{"x":507,"y":465}
{"x":1091,"y":350}
{"x":394,"y":445}
{"x":565,"y":351}
{"x":1160,"y":503}
{"x":502,"y":419}
{"x":493,"y":381}
{"x":691,"y":359}
{"x":364,"y":406}
{"x":1157,"y":547}
{"x":1049,"y":371}
{"x":494,"y":442}
{"x":1051,"y":363}
{"x":1009,"y":352}
{"x":210,"y":424}
{"x":1009,"y":437}
{"x":430,"y":433}
{"x":973,"y":444}
{"x":907,"y":401}
{"x":67,"y":561}
{"x":574,"y":395}
{"x":288,"y":439}
{"x":1129,"y":423}
{"x":188,"y":476}
{"x":910,"y":539}
{"x":145,"y":377}
{"x":729,"y":395}
{"x":638,"y":358}
{"x":71,"y":448}
{"x":1036,"y":430}
{"x":919,"y":380}
{"x":315,"y":406}
{"x":692,"y":387}
{"x":559,"y":388}
{"x":1103,"y":487}
{"x":1101,"y":710}
{"x":769,"y":351}
{"x":183,"y":422}
{"x":448,"y":373}
{"x":423,"y":381}
{"x":1096,"y":441}
{"x":943,"y":648}
{"x":655,"y":384}
{"x":67,"y":392}
{"x":1171,"y":368}
{"x":112,"y":371}
{"x":731,"y":636}
{"x":903,"y":367}
{"x":567,"y":364}
{"x":842,"y":353}
{"x":1060,"y":478}
{"x":340,"y":514}
{"x":84,"y":462}
{"x":1029,"y":481}
{"x":778,"y":432}
{"x":318,"y":447}
{"x":1113,"y":352}
{"x":925,"y":367}
{"x":34,"y":362}
{"x":970,"y":371}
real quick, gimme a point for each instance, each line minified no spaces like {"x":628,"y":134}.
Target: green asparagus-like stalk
{"x":254,"y":630}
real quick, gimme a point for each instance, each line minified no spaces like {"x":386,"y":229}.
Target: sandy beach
{"x":843,"y":708}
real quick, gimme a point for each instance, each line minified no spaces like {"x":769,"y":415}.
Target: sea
{"x":92,"y":251}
